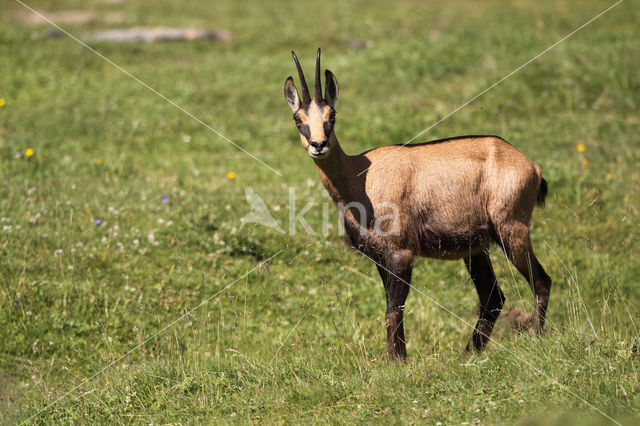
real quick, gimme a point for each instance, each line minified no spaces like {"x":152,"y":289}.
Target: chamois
{"x":445,"y":199}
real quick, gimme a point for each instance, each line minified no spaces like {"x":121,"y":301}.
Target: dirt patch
{"x":148,"y":35}
{"x":356,"y":43}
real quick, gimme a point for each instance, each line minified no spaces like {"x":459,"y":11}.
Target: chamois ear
{"x":291,"y":94}
{"x":330,"y":88}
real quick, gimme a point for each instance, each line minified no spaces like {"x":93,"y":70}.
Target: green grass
{"x":295,"y":340}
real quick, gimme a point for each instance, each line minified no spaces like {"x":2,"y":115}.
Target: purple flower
{"x":165,"y":199}
{"x":17,"y":302}
{"x":98,"y":222}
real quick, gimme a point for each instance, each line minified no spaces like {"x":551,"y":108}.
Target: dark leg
{"x":383,"y":274}
{"x":517,"y":246}
{"x":398,"y":277}
{"x":491,"y":298}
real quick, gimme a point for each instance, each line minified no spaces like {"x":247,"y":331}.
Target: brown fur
{"x":452,"y":194}
{"x":454,"y":197}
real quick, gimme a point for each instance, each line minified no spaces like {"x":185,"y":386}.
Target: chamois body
{"x":445,"y":199}
{"x":451,"y":196}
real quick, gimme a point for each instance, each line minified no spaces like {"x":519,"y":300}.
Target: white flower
{"x":152,"y":239}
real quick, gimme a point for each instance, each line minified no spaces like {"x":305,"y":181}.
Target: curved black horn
{"x":303,"y":83}
{"x":318,"y":81}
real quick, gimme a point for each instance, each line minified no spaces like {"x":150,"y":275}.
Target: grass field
{"x":292,"y":330}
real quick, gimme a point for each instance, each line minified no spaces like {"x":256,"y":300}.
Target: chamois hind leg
{"x":514,"y":239}
{"x":396,"y":276}
{"x":491,"y":298}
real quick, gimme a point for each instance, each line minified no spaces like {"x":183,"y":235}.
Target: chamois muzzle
{"x":321,"y":148}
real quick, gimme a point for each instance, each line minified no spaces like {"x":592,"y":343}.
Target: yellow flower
{"x":29,"y":152}
{"x":585,"y":162}
{"x":84,"y":379}
{"x":580,"y":147}
{"x":2,"y":102}
{"x":99,"y":162}
{"x":231,"y":175}
{"x":610,"y":175}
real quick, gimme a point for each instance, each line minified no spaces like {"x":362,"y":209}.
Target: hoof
{"x":472,"y":349}
{"x":398,"y":358}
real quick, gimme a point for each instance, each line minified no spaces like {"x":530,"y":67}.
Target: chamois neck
{"x":338,"y":172}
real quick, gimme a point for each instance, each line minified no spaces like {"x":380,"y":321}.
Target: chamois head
{"x":314,"y":118}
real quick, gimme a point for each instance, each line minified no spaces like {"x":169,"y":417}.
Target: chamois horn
{"x":303,"y":83}
{"x":318,"y":81}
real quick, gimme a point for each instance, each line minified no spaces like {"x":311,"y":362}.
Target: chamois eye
{"x":297,"y":120}
{"x":332,"y":116}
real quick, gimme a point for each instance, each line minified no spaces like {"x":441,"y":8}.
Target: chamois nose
{"x":319,"y":146}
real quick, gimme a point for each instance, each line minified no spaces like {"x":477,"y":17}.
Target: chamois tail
{"x":542,"y":192}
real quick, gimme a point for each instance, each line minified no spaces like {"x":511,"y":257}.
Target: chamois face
{"x":315,"y":123}
{"x":315,"y":118}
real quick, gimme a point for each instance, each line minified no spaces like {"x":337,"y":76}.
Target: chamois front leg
{"x":396,"y":276}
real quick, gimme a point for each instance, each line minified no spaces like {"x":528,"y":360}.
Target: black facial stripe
{"x":304,"y":129}
{"x":328,"y":128}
